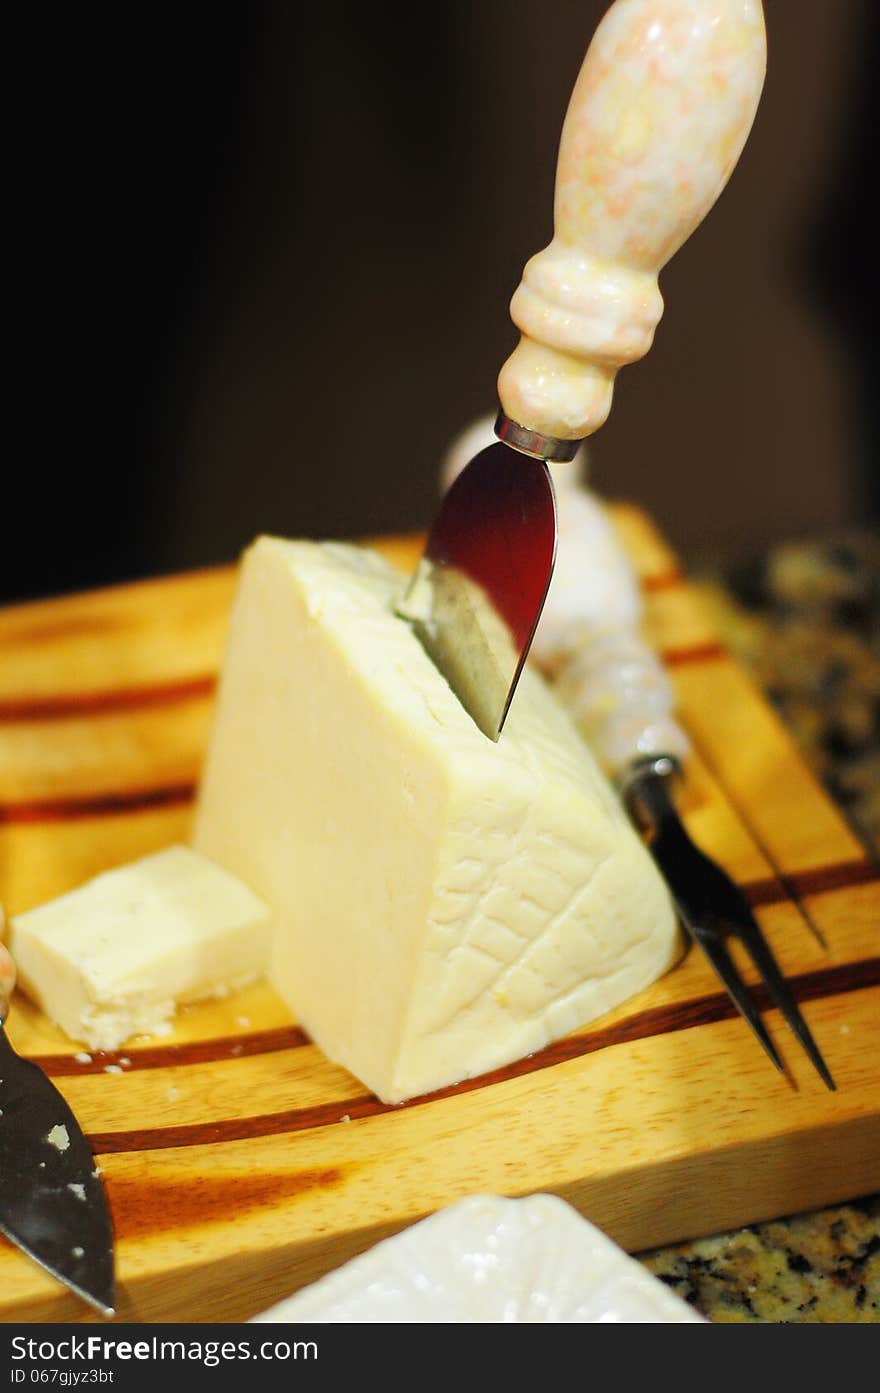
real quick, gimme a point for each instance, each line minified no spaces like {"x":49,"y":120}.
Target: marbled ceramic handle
{"x":659,"y":115}
{"x":619,"y":695}
{"x":7,"y":979}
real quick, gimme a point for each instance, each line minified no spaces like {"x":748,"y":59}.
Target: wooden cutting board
{"x":240,"y":1164}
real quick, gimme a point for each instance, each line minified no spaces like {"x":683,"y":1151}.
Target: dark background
{"x":264,"y":254}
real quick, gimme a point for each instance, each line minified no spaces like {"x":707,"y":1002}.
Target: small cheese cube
{"x":442,"y":904}
{"x":113,"y":958}
{"x":488,"y":1260}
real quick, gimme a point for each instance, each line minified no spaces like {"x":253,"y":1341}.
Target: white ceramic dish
{"x":490,"y":1260}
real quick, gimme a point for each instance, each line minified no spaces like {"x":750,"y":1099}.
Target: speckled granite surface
{"x":811,"y":1268}
{"x":806,"y":621}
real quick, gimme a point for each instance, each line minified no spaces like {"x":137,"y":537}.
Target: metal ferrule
{"x":531,"y":442}
{"x":644,"y":788}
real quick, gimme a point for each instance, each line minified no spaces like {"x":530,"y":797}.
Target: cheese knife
{"x":659,"y":115}
{"x":52,"y":1200}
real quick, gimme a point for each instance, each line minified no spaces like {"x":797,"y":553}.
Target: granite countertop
{"x":805,"y":619}
{"x":813,"y":1267}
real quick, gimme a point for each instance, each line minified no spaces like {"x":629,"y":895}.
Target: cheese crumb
{"x":345,"y":1117}
{"x":82,"y":1058}
{"x":77,"y":1252}
{"x":112,"y":1068}
{"x":77,"y":1189}
{"x":58,"y":1137}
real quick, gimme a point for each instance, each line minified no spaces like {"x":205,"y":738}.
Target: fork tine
{"x":761,"y":954}
{"x":723,"y":964}
{"x":711,"y":906}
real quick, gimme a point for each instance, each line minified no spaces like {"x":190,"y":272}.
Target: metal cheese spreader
{"x":52,"y":1200}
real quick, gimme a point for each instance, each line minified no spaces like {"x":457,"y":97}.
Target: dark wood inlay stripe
{"x":818,"y":880}
{"x":665,"y":580}
{"x":218,"y":1047}
{"x":710,"y":652}
{"x":105,"y":805}
{"x":662,"y":1020}
{"x":62,"y":706}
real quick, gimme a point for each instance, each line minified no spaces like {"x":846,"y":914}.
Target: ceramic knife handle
{"x":618,"y":693}
{"x":7,"y":978}
{"x":658,"y":117}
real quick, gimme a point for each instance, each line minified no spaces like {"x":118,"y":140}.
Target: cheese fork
{"x":711,"y":907}
{"x":621,"y":699}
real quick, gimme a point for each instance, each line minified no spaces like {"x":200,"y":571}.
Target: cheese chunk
{"x":490,"y":1260}
{"x":113,"y":958}
{"x":442,"y":905}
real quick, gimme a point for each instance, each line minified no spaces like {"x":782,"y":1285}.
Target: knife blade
{"x":52,"y":1201}
{"x":477,"y":594}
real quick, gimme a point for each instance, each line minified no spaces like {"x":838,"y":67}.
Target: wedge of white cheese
{"x":442,"y":905}
{"x":490,"y":1260}
{"x":113,"y":958}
